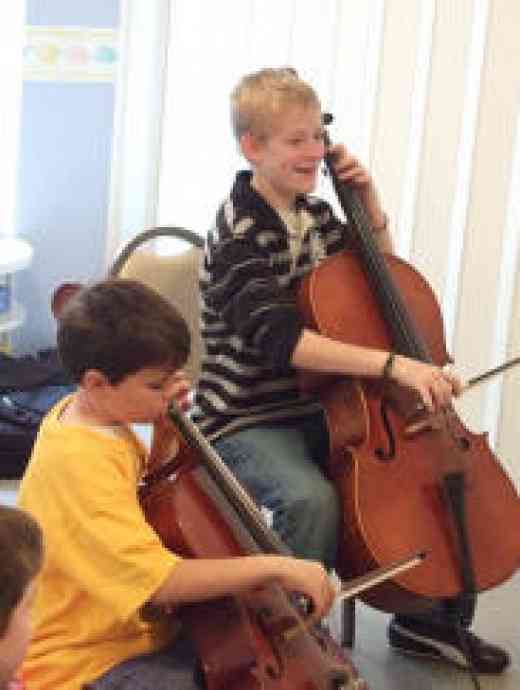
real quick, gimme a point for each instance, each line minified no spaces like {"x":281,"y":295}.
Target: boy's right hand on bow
{"x":435,"y":385}
{"x":309,"y":578}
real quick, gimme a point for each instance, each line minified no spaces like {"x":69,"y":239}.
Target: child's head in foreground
{"x":21,"y":554}
{"x":121,"y":342}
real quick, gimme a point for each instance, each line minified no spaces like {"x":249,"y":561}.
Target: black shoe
{"x":436,"y":642}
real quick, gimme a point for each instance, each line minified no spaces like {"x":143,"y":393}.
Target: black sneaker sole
{"x":413,"y":644}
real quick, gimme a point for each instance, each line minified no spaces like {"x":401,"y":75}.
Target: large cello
{"x":408,"y":480}
{"x":256,"y":641}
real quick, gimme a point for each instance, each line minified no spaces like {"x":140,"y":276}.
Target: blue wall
{"x":65,"y":157}
{"x":100,"y":13}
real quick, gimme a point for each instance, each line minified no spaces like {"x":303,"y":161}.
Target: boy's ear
{"x":94,"y":379}
{"x":250,"y":146}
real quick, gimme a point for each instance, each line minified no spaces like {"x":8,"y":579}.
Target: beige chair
{"x":173,"y":276}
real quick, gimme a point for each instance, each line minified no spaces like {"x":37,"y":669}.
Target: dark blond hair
{"x":119,"y":326}
{"x":21,"y":555}
{"x":260,"y":97}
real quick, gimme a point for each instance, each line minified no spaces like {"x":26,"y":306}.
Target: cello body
{"x":256,"y":641}
{"x":391,"y":476}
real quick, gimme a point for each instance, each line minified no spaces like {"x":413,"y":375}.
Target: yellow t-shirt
{"x":102,"y":562}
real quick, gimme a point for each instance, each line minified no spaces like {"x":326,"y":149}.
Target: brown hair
{"x":261,"y":96}
{"x":119,"y":326}
{"x":21,"y":555}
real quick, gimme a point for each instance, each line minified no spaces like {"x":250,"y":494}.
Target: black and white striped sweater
{"x":249,"y":319}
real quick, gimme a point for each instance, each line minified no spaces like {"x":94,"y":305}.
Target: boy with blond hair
{"x":270,"y":233}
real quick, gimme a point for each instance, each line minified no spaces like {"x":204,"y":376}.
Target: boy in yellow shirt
{"x":124,"y":345}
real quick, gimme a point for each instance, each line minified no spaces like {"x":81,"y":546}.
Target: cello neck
{"x":266,"y":539}
{"x":404,"y":335}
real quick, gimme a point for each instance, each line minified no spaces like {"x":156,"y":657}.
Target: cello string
{"x":228,"y":483}
{"x":407,"y":343}
{"x":398,"y":318}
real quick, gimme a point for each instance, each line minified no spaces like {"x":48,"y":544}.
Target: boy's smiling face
{"x":286,"y":161}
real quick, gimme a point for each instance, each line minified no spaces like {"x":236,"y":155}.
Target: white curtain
{"x":12,"y":32}
{"x":211,"y":45}
{"x":427,"y":93}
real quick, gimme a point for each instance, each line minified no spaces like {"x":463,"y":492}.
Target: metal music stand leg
{"x":348,"y":622}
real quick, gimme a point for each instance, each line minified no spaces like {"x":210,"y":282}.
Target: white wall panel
{"x":507,"y":335}
{"x":482,"y":300}
{"x":427,"y":92}
{"x":439,"y":169}
{"x":444,"y":147}
{"x":12,"y":31}
{"x":393,"y":118}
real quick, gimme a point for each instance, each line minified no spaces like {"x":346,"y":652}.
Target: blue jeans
{"x":282,"y":468}
{"x":175,"y":668}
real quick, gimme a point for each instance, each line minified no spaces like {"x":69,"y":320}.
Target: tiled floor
{"x":498,"y":619}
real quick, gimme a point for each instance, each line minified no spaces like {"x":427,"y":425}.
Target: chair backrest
{"x":174,"y":277}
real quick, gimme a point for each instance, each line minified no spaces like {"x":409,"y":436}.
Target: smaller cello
{"x":256,"y":641}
